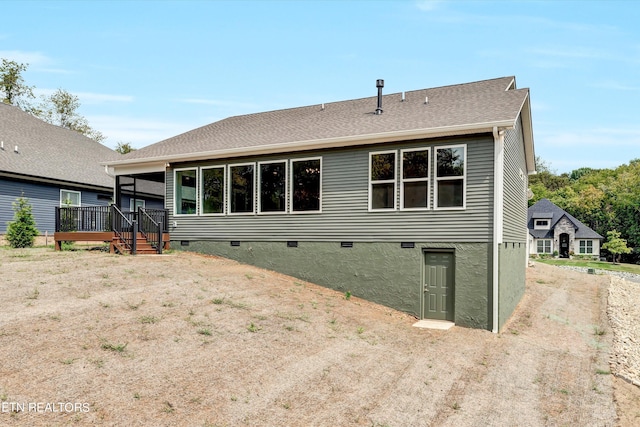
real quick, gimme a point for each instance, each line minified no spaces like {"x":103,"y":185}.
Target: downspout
{"x":498,"y":207}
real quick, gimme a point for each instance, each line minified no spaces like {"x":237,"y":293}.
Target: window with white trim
{"x":133,"y":207}
{"x":544,"y":246}
{"x":382,"y":180}
{"x":213,"y":189}
{"x":541,"y":224}
{"x":272,"y":194}
{"x":414,"y":177}
{"x":450,"y":182}
{"x":70,"y":198}
{"x":242,"y":188}
{"x":585,"y":247}
{"x":185,"y":191}
{"x":306,"y":185}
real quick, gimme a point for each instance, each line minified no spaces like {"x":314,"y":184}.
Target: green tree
{"x":13,"y":89}
{"x":124,"y":147}
{"x":616,"y":245}
{"x":22,"y":231}
{"x":61,"y":108}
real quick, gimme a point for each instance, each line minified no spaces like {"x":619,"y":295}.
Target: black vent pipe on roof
{"x":379,"y":85}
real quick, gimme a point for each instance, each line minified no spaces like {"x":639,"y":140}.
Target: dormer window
{"x":541,"y":224}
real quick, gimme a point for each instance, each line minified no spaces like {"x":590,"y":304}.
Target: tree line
{"x":604,"y":199}
{"x":60,"y":108}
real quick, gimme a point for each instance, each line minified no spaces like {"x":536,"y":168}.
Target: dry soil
{"x":88,"y":338}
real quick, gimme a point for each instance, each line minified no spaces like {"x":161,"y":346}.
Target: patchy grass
{"x":599,"y":265}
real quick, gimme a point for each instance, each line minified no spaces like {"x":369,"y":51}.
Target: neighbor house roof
{"x":545,"y":209}
{"x":451,"y":110}
{"x":47,"y":152}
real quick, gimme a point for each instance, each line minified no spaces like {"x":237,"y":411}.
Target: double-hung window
{"x":185,"y":191}
{"x":241,"y":188}
{"x":272,"y":195}
{"x":586,"y":247}
{"x":414,"y":188}
{"x":543,"y":246}
{"x":213,"y":189}
{"x":70,"y":198}
{"x":450,"y":177}
{"x":382,"y":180}
{"x":306,"y":185}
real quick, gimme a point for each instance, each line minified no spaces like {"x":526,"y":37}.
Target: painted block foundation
{"x":385,"y":273}
{"x":513,"y":259}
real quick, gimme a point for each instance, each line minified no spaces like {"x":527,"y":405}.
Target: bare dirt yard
{"x":88,"y":338}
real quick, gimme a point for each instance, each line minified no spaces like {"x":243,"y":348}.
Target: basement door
{"x":437,"y":284}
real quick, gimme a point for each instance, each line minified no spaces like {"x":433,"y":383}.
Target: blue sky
{"x":148,"y":70}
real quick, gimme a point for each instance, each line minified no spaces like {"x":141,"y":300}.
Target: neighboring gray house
{"x":552,"y":229}
{"x":53,"y":166}
{"x":414,"y":200}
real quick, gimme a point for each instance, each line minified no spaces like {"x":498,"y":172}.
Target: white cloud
{"x":97,"y":98}
{"x":217,"y":102}
{"x":31,"y":58}
{"x":88,"y":97}
{"x":604,"y":138}
{"x":428,"y":5}
{"x":613,"y":85}
{"x":137,"y":131}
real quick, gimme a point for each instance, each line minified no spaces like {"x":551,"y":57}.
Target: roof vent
{"x":1,"y":145}
{"x":426,"y":100}
{"x":16,"y":149}
{"x":403,"y":98}
{"x":379,"y":85}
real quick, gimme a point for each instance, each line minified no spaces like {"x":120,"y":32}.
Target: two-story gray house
{"x":415,"y":200}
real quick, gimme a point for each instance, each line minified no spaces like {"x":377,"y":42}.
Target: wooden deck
{"x":96,"y":236}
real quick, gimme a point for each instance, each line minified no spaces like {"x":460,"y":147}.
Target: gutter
{"x":315,"y":144}
{"x":498,"y":207}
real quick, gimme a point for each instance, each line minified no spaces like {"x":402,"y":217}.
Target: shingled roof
{"x":450,"y":110}
{"x":545,"y":209}
{"x":48,"y":152}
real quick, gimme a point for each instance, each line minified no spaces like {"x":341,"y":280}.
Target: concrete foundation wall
{"x":384,"y":273}
{"x":512,"y":262}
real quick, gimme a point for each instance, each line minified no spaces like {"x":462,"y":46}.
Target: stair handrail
{"x":150,"y":228}
{"x":125,"y":230}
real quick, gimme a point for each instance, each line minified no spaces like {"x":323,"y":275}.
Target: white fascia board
{"x":317,"y":144}
{"x":136,"y":168}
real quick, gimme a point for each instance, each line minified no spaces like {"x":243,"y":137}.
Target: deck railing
{"x":152,"y":223}
{"x":88,"y":218}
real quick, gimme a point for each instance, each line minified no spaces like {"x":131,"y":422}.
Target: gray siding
{"x":345,"y":215}
{"x":515,"y":186}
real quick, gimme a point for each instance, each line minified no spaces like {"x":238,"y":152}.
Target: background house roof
{"x":50,"y":152}
{"x":474,"y":106}
{"x":544,"y":208}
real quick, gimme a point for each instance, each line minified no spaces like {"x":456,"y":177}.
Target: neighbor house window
{"x":542,"y":224}
{"x":70,"y":198}
{"x":306,"y":185}
{"x":382,"y":180}
{"x":273,"y":182}
{"x":544,"y":246}
{"x":213,"y":189}
{"x":185,"y":185}
{"x":450,"y":177}
{"x":241,"y":188}
{"x":414,"y":188}
{"x":586,"y":246}
{"x":133,"y":207}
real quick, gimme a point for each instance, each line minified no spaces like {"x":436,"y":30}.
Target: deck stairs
{"x":142,"y":246}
